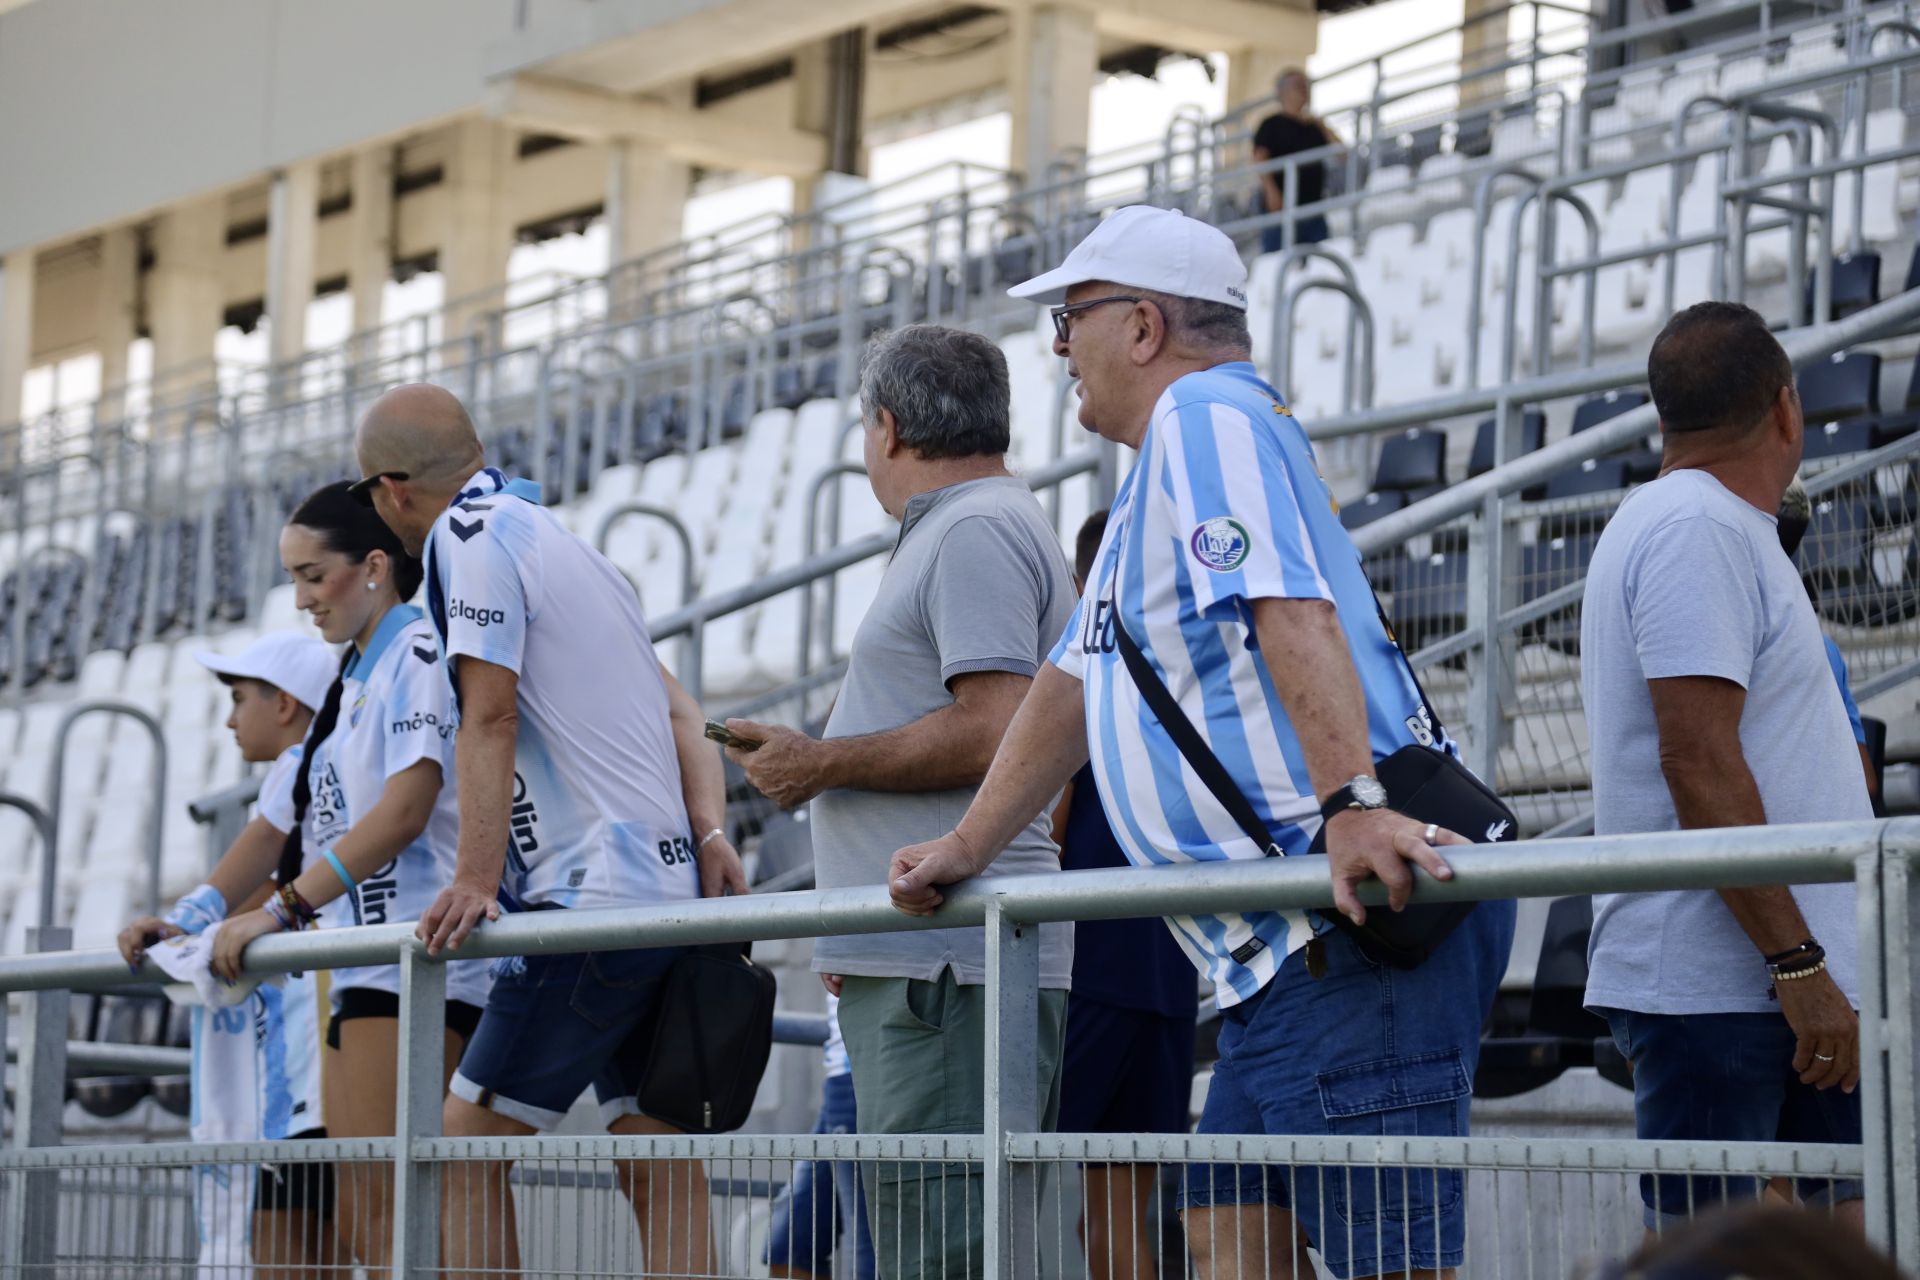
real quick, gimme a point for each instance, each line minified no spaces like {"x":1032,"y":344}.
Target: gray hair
{"x":1214,"y":327}
{"x":947,"y":390}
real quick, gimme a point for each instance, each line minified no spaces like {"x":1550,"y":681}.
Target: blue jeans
{"x":1308,"y":230}
{"x":1725,"y":1077}
{"x":823,"y":1200}
{"x":1365,"y":1051}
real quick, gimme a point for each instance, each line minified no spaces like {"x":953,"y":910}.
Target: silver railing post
{"x":1492,"y":555}
{"x":1888,"y":897}
{"x":420,"y":1070}
{"x":40,"y":1095}
{"x":1012,"y":1093}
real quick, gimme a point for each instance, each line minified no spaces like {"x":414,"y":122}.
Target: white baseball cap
{"x":1148,"y":248}
{"x":301,"y":665}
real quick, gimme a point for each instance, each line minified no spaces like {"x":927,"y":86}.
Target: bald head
{"x":422,"y":430}
{"x":420,"y":441}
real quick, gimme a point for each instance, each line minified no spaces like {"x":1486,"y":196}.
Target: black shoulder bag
{"x":711,"y":1042}
{"x":1422,"y":783}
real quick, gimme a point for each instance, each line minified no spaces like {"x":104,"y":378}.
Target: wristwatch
{"x":1363,"y":792}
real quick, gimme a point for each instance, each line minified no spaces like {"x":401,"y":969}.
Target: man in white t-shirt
{"x":584,"y":781}
{"x":1710,"y":703}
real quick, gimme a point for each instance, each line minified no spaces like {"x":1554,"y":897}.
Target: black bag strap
{"x":1199,"y":755}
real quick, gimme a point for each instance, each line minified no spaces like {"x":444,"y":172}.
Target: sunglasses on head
{"x":362,"y":490}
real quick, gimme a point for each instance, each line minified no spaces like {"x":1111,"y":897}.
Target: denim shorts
{"x":555,"y":1024}
{"x":1725,"y":1077}
{"x":822,"y":1214}
{"x":1365,"y":1051}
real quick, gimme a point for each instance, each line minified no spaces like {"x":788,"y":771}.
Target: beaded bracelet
{"x":1797,"y":974}
{"x":1802,"y":962}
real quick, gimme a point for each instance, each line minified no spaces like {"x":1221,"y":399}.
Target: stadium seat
{"x":1855,"y":285}
{"x":1429,"y":598}
{"x":1368,"y":507}
{"x":1533,"y":434}
{"x":1845,"y":386}
{"x":1836,"y":439}
{"x":1412,"y":461}
{"x":1839,"y":561}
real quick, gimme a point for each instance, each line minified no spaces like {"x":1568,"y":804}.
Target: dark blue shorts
{"x":555,"y":1024}
{"x":823,"y":1206}
{"x":1124,"y":1070}
{"x":1725,"y":1077}
{"x":1366,"y":1051}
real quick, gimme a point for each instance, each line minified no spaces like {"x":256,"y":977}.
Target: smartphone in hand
{"x":728,"y":738}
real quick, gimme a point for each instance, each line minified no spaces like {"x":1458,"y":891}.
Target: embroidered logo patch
{"x":353,"y":716}
{"x":1221,"y":544}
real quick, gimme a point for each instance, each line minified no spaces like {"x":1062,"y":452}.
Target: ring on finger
{"x":1431,"y":833}
{"x":1823,"y":1057}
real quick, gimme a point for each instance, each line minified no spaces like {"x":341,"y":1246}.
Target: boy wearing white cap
{"x":1225,"y":574}
{"x":276,"y":685}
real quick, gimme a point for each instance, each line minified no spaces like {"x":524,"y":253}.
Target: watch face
{"x":1369,"y":793}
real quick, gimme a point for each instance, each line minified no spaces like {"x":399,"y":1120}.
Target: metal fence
{"x":1013,"y":1197}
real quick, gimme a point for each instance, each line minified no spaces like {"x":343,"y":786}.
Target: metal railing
{"x":57,"y":1198}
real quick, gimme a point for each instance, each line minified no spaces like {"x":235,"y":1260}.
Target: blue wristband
{"x":339,"y":870}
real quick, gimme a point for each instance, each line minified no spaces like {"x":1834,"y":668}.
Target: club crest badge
{"x":1221,"y":544}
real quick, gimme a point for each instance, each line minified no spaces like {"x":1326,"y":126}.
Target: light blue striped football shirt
{"x":1225,"y":506}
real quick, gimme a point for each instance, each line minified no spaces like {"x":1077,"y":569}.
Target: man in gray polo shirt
{"x":974,"y":596}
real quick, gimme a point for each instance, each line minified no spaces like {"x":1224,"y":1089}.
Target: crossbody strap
{"x":1191,"y":745}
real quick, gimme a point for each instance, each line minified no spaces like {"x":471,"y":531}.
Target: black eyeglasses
{"x":1062,"y":316}
{"x":362,"y":490}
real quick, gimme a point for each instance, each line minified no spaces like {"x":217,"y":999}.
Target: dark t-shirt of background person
{"x":1131,"y":964}
{"x":1282,"y":135}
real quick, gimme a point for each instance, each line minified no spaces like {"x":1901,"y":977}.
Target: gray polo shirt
{"x":977,"y":582}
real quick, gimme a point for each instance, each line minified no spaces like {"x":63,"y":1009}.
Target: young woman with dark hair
{"x":376,"y":791}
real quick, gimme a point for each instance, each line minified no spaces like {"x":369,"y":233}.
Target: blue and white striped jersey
{"x":1225,"y":506}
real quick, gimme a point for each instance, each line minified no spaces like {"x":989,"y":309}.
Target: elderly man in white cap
{"x":1225,"y":575}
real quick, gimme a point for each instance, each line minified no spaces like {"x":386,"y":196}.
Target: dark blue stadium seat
{"x":1836,"y":439}
{"x":1846,"y":386}
{"x":1533,"y":434}
{"x":1367,"y":508}
{"x":1411,"y":461}
{"x":1547,"y":566}
{"x":1856,"y":284}
{"x":789,"y":386}
{"x":1601,"y":408}
{"x":1429,"y":598}
{"x":1838,"y":562}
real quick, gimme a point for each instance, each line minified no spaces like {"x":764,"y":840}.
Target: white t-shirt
{"x":599,"y":818}
{"x":1689,"y":580}
{"x":394,"y":712}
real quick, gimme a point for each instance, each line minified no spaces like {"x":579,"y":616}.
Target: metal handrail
{"x":156,"y":802}
{"x":42,"y":823}
{"x":1642,"y":862}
